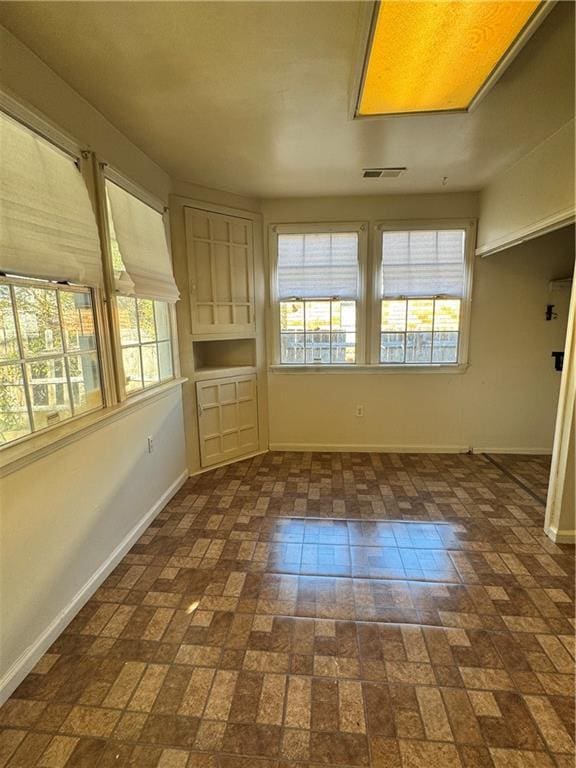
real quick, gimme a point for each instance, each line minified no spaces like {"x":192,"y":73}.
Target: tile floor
{"x":394,"y":611}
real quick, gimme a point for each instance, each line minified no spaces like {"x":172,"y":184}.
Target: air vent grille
{"x":383,"y":173}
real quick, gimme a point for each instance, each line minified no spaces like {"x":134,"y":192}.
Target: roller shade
{"x":318,"y":265}
{"x":47,"y":225}
{"x":138,"y":230}
{"x":423,"y":263}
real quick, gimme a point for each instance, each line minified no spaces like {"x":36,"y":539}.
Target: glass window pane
{"x":343,"y":347}
{"x":78,"y":319}
{"x":420,"y":313}
{"x":162,"y":320}
{"x":344,"y":315}
{"x":447,"y":315}
{"x":14,"y":421}
{"x":165,"y":360}
{"x":132,"y":369}
{"x":292,"y":316}
{"x":392,"y":348}
{"x":8,"y":340}
{"x":85,"y":381}
{"x":418,"y":347}
{"x":150,"y":364}
{"x":146,"y":320}
{"x":394,"y":315}
{"x":317,"y":348}
{"x":318,"y":315}
{"x":445,"y":347}
{"x":49,"y":375}
{"x":127,"y":320}
{"x":292,"y":348}
{"x":39,"y":320}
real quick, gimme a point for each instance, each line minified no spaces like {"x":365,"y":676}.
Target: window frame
{"x":361,"y":229}
{"x":469,"y":227}
{"x":97,"y":309}
{"x":106,"y":172}
{"x":115,"y":401}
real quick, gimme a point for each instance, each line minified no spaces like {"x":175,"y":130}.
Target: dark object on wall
{"x":558,"y":360}
{"x":550,"y":314}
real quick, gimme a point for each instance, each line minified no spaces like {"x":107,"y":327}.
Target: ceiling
{"x":254,"y":97}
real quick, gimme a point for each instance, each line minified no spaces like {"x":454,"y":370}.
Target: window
{"x":416,"y":294}
{"x":146,"y":342}
{"x":424,"y":288}
{"x":49,"y":369}
{"x":56,"y":350}
{"x":145,"y":289}
{"x":318,"y":278}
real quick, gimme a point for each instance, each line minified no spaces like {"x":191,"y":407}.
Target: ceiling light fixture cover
{"x":429,"y":56}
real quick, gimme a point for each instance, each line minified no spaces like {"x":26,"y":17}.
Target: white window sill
{"x":376,"y":369}
{"x":33,"y":447}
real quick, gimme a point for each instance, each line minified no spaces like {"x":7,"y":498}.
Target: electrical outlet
{"x":359,"y":410}
{"x":150,"y":444}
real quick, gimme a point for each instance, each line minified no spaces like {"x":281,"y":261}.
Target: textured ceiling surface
{"x":255,"y":97}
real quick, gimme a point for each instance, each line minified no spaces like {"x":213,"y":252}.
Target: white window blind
{"x":47,"y":225}
{"x":423,"y":263}
{"x":318,"y":266}
{"x":141,"y":238}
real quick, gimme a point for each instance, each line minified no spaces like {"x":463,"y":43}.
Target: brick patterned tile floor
{"x":395,"y":611}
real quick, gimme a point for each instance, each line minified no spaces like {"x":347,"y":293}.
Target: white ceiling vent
{"x":383,"y":173}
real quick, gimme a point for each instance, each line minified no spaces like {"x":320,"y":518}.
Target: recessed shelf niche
{"x":224,"y":353}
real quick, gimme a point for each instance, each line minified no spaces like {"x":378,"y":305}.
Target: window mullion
{"x":27,"y":393}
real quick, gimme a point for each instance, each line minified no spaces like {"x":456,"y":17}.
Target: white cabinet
{"x":227,"y":418}
{"x":220,"y":255}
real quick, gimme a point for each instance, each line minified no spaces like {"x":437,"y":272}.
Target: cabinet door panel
{"x":227,"y":418}
{"x":221,"y":272}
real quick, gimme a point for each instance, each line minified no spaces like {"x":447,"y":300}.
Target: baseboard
{"x":560,"y":537}
{"x":28,"y":659}
{"x":235,"y":460}
{"x":518,"y":450}
{"x":366,"y":448}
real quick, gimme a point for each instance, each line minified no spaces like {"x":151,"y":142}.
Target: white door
{"x":227,"y":418}
{"x":221,"y":272}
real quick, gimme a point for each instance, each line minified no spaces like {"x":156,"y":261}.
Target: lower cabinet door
{"x":227,"y":418}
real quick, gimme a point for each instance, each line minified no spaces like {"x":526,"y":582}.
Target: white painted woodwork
{"x":220,"y":255}
{"x":227,"y":418}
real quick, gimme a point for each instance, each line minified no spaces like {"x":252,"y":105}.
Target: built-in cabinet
{"x":221,"y":299}
{"x":221,"y":273}
{"x":227,"y":418}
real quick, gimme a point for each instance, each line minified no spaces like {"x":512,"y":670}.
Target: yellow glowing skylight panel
{"x":436,"y":56}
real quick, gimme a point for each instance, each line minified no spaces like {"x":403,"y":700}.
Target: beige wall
{"x":64,"y":516}
{"x":505,"y":400}
{"x":30,"y":80}
{"x":535,"y":193}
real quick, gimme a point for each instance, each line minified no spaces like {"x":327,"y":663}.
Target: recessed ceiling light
{"x":427,"y":57}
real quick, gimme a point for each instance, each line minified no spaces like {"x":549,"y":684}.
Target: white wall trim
{"x":366,"y":448}
{"x":227,"y":463}
{"x":28,"y":659}
{"x":514,"y":449}
{"x":542,"y":227}
{"x":560,"y":537}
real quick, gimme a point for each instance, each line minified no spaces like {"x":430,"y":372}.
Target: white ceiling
{"x":254,"y":97}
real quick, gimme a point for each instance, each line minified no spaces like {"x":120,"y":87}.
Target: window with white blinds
{"x":140,"y":246}
{"x":423,"y":263}
{"x":318,"y":265}
{"x":317,"y":286}
{"x":422,"y":287}
{"x":47,"y":224}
